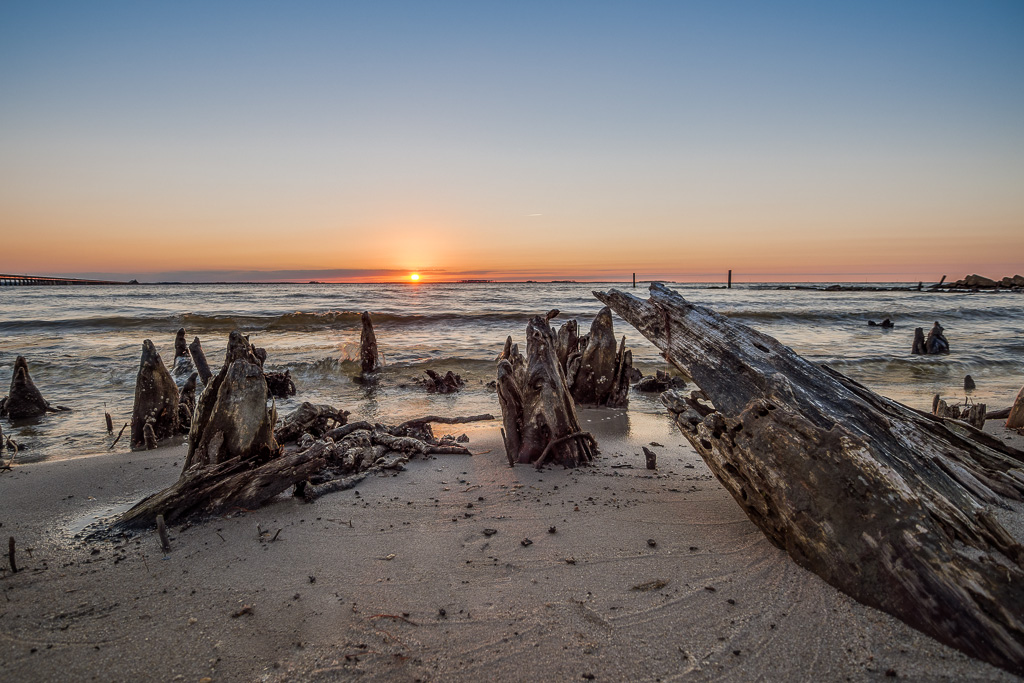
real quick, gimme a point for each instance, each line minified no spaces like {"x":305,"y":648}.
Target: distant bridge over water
{"x":36,"y":280}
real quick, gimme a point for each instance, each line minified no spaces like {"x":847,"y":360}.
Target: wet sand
{"x":630,"y":575}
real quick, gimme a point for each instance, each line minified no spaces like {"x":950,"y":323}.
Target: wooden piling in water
{"x":730,"y":279}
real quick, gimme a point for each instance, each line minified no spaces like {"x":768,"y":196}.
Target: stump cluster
{"x":935,"y":343}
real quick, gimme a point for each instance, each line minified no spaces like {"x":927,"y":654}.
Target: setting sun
{"x":414,"y":277}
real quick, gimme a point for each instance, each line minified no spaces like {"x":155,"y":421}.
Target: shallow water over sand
{"x":83,"y":343}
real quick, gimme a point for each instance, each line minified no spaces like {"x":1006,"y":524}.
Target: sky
{"x":360,"y":141}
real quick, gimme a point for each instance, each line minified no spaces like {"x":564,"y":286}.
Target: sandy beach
{"x":426,"y":574}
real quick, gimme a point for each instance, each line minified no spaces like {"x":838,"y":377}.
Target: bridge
{"x":35,"y":280}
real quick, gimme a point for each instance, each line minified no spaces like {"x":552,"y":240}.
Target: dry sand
{"x":397,"y":580}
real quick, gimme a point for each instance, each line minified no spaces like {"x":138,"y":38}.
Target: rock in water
{"x":25,"y":400}
{"x":156,"y":399}
{"x":231,"y":418}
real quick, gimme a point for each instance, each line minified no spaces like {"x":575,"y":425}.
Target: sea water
{"x":83,"y":343}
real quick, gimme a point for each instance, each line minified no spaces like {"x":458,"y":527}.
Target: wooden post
{"x":634,"y":280}
{"x":730,"y":279}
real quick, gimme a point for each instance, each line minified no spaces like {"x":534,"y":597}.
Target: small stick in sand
{"x":118,"y":437}
{"x":10,"y":555}
{"x":161,"y":529}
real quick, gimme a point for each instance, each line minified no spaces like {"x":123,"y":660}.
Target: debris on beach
{"x":889,"y":505}
{"x":538,"y":413}
{"x":659,"y":382}
{"x":156,"y":400}
{"x":24,"y":399}
{"x":236,"y":458}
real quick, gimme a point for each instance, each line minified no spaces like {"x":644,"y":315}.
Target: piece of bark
{"x":24,"y":400}
{"x":156,"y":399}
{"x":231,"y":418}
{"x":1015,"y":418}
{"x":199,"y":358}
{"x":368,"y":354}
{"x":537,"y":410}
{"x":280,"y":384}
{"x":886,"y":503}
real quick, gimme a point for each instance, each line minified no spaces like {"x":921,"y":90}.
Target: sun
{"x":414,"y":277}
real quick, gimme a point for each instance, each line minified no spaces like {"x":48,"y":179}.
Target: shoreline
{"x":390,"y":555}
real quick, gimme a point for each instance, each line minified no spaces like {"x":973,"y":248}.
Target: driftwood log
{"x":368,"y":354}
{"x":156,"y":399}
{"x":888,"y":504}
{"x":537,"y":411}
{"x":24,"y":399}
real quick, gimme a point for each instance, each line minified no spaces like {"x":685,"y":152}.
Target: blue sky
{"x":678,"y":138}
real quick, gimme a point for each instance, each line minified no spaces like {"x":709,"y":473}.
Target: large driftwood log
{"x":886,"y":503}
{"x":537,"y":410}
{"x":231,"y":418}
{"x":368,"y":354}
{"x":156,"y":399}
{"x":24,"y":399}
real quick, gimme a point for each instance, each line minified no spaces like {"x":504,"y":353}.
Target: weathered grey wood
{"x":537,"y":409}
{"x":215,"y":489}
{"x":599,"y":379}
{"x":1015,"y":419}
{"x":182,"y":364}
{"x":888,"y":504}
{"x":936,"y":342}
{"x":368,"y":354}
{"x":199,"y":358}
{"x":918,"y":348}
{"x":187,"y":403}
{"x":24,"y":399}
{"x":231,"y":417}
{"x":156,"y":399}
{"x":308,"y":418}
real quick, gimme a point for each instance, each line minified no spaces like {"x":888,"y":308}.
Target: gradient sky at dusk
{"x":785,"y":140}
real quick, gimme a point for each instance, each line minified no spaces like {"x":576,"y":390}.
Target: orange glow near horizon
{"x":415,"y":277}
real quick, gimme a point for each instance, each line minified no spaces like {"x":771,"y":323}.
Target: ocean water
{"x":83,"y":343}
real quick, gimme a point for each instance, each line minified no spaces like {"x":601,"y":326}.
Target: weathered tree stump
{"x":186,"y":404}
{"x":1015,"y":419}
{"x":368,"y":354}
{"x":156,"y":399}
{"x":231,"y":418}
{"x":602,"y":375}
{"x":449,"y":383}
{"x":918,"y":348}
{"x":886,"y":503}
{"x":182,"y":364}
{"x":24,"y":399}
{"x":936,"y":342}
{"x":280,"y":384}
{"x":199,"y":358}
{"x":537,"y":410}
